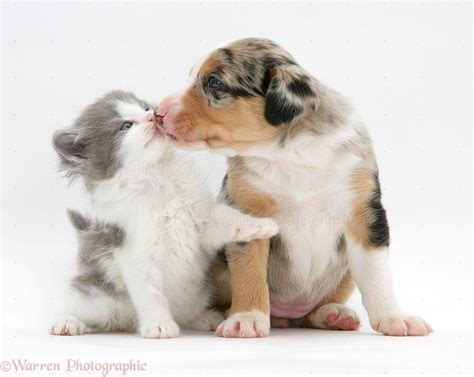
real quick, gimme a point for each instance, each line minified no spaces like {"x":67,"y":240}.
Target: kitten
{"x":145,"y":251}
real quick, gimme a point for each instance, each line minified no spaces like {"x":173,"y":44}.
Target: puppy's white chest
{"x":311,"y":230}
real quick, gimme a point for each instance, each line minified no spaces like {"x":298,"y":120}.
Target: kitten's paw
{"x":255,"y":229}
{"x":68,"y":325}
{"x":402,"y":325}
{"x":163,"y":330}
{"x":245,"y":325}
{"x":208,"y":321}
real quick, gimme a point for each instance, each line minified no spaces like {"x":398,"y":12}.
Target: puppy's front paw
{"x":245,"y":325}
{"x":402,"y":325}
{"x":255,"y":229}
{"x":68,"y":325}
{"x":161,"y":330}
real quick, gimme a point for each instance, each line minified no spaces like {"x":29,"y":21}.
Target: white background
{"x":407,"y":68}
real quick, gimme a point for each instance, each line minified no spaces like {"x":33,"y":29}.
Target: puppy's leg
{"x":250,"y":309}
{"x":373,"y":276}
{"x":228,"y":225}
{"x":331,"y":313}
{"x":367,"y":237}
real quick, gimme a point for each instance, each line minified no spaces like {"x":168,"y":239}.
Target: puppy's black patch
{"x":379,"y":231}
{"x":278,"y":110}
{"x":227,"y":199}
{"x":224,"y":181}
{"x":300,"y":88}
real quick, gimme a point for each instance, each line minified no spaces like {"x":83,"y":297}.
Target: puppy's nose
{"x":160,"y":111}
{"x":159,"y":119}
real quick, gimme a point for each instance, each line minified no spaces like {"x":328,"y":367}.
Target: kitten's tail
{"x":78,"y":220}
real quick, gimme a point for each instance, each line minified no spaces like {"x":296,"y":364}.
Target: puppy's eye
{"x":126,"y":126}
{"x":213,"y":83}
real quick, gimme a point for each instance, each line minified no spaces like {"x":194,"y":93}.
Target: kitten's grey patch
{"x":97,"y":243}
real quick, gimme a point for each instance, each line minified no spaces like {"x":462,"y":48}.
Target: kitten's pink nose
{"x":150,"y":118}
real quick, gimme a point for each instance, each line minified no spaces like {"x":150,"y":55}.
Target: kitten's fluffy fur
{"x":144,"y":253}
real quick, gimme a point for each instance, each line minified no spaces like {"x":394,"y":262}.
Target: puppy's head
{"x":245,"y":95}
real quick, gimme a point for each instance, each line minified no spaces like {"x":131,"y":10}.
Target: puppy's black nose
{"x":159,"y":119}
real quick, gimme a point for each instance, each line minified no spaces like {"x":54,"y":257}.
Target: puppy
{"x":145,"y":251}
{"x":300,"y":155}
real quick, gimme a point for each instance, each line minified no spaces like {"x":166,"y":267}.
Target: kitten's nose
{"x":150,"y":118}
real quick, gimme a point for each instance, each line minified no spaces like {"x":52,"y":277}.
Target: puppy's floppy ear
{"x":70,"y":149}
{"x":290,"y":91}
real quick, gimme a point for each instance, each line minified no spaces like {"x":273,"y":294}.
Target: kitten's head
{"x":115,"y":130}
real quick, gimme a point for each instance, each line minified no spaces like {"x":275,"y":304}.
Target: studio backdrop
{"x":406,"y":67}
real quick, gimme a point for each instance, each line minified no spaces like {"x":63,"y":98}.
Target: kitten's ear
{"x":69,"y":148}
{"x":78,"y":220}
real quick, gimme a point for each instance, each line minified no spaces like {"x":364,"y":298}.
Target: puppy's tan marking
{"x":240,"y":124}
{"x":247,"y":198}
{"x":209,"y":66}
{"x":248,"y":276}
{"x":248,"y":263}
{"x":364,"y":225}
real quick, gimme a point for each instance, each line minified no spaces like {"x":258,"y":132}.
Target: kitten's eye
{"x":147,"y":109}
{"x":126,"y":126}
{"x":213,"y":83}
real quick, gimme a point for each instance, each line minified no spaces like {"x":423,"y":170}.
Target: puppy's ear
{"x":70,"y":149}
{"x":290,"y":91}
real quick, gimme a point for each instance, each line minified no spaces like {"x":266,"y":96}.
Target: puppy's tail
{"x":78,"y":220}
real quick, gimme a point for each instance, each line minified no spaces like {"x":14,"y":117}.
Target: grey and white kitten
{"x":154,"y":228}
